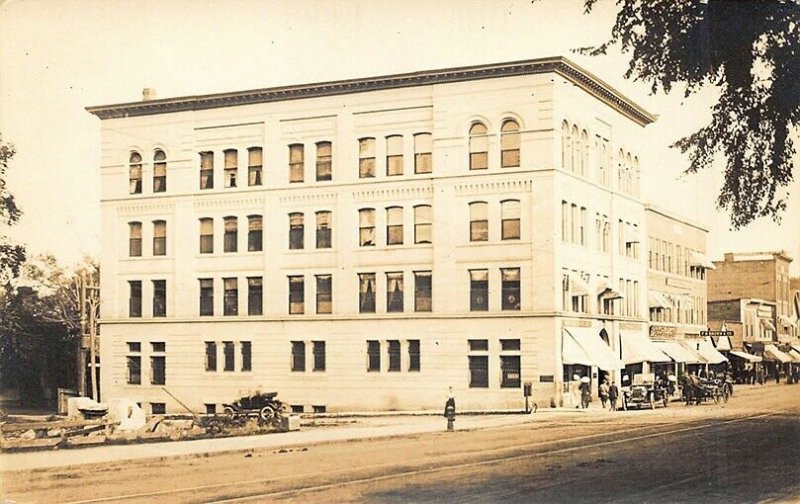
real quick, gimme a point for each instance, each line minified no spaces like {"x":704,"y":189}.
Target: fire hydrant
{"x":450,"y":412}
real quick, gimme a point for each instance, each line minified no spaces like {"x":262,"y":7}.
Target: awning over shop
{"x":700,"y":260}
{"x":721,"y":343}
{"x":577,"y":285}
{"x":583,"y":345}
{"x":785,"y":321}
{"x":658,"y":300}
{"x":772,"y":353}
{"x":767,"y":323}
{"x":606,"y":291}
{"x":679,"y":353}
{"x":708,"y":352}
{"x":794,"y":354}
{"x":745,"y":356}
{"x":637,"y":347}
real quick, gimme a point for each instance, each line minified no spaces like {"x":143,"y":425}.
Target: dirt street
{"x":742,"y":451}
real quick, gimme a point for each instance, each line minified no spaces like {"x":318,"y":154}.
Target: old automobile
{"x":644,"y":392}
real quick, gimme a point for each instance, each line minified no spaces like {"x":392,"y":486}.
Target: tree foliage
{"x":749,"y":51}
{"x":11,"y":256}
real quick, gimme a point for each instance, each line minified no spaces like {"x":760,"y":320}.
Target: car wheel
{"x":229,"y":412}
{"x":267,"y":413}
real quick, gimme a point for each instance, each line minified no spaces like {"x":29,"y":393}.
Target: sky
{"x":58,"y":57}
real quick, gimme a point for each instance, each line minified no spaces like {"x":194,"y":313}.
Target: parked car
{"x":645,"y":392}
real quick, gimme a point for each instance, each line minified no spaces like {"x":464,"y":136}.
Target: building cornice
{"x":558,"y":65}
{"x":649,"y":207}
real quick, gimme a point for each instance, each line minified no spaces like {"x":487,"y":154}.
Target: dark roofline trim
{"x":559,"y":65}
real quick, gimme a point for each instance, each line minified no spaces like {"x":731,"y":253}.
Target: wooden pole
{"x":92,"y":342}
{"x":81,"y":351}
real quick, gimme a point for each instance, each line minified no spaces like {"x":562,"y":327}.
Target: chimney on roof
{"x":148,"y":94}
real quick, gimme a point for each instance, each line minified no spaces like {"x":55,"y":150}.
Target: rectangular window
{"x":324,"y":168}
{"x":254,"y":166}
{"x":394,"y":292}
{"x":510,"y":368}
{"x":478,"y":371}
{"x":478,"y":221}
{"x":296,"y":231}
{"x":510,"y":288}
{"x":394,"y":226}
{"x":228,"y":351}
{"x":366,"y":158}
{"x":423,"y":224}
{"x":211,"y":409}
{"x":414,"y":355}
{"x":159,"y":238}
{"x":478,"y":345}
{"x":158,"y":408}
{"x":394,"y":355}
{"x":565,"y":227}
{"x":366,"y":292}
{"x":135,"y":239}
{"x":255,"y":296}
{"x":134,"y":363}
{"x":318,"y":349}
{"x":247,"y":356}
{"x":298,"y":356}
{"x":324,"y":294}
{"x":231,"y":167}
{"x":206,"y":236}
{"x":158,"y":370}
{"x":373,"y":355}
{"x":134,"y":347}
{"x":206,"y":296}
{"x":507,"y":345}
{"x":159,"y":346}
{"x":423,"y":295}
{"x":206,"y":170}
{"x":159,"y":298}
{"x":574,"y":220}
{"x":323,"y":230}
{"x":135,"y":301}
{"x":211,"y":356}
{"x":423,"y":157}
{"x":296,"y":163}
{"x":231,"y":300}
{"x":479,"y":290}
{"x":394,"y":155}
{"x":366,"y":227}
{"x":296,"y":295}
{"x":231,"y":236}
{"x":583,"y":224}
{"x":255,"y":233}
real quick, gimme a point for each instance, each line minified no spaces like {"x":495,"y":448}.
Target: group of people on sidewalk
{"x":609,"y":394}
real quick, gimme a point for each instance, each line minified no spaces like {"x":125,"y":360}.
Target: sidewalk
{"x":368,"y":426}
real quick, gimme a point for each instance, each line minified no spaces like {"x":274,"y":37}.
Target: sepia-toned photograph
{"x":399,"y":251}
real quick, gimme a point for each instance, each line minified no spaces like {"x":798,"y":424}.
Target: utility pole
{"x":82,"y":345}
{"x":90,"y":301}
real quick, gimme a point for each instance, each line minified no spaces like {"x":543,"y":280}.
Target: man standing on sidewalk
{"x":613,"y":394}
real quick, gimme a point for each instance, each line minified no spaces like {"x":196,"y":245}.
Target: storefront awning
{"x":658,"y":300}
{"x":708,"y":352}
{"x":785,"y":321}
{"x":606,"y":291}
{"x":637,"y":347}
{"x":679,"y":353}
{"x":721,"y":343}
{"x":745,"y":356}
{"x":794,"y":354}
{"x":577,"y":285}
{"x":767,"y":324}
{"x":772,"y":353}
{"x":699,"y":260}
{"x":583,"y":345}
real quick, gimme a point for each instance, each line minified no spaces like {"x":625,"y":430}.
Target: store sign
{"x":679,"y":283}
{"x":716,"y":333}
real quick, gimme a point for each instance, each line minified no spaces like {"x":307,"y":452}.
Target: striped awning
{"x":772,"y":353}
{"x":679,"y":353}
{"x":658,"y":300}
{"x":637,"y":347}
{"x":700,"y":260}
{"x":745,"y":356}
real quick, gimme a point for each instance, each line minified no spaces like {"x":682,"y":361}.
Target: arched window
{"x":366,"y":157}
{"x":394,"y":225}
{"x":566,"y":146}
{"x":509,"y":144}
{"x":628,"y":174}
{"x":423,"y":224}
{"x":620,"y":170}
{"x":510,"y":219}
{"x":576,"y":149}
{"x":324,"y":165}
{"x":584,"y":153}
{"x":135,"y":172}
{"x":478,"y":221}
{"x":478,"y":147}
{"x":159,"y":171}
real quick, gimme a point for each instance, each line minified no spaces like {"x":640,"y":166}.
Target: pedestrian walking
{"x":613,"y":394}
{"x":603,"y":393}
{"x":586,"y":392}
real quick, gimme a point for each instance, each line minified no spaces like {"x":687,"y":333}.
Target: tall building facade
{"x":367,"y":244}
{"x":761,"y":275}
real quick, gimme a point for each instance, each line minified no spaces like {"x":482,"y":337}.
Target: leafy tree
{"x":11,"y":256}
{"x":748,"y":50}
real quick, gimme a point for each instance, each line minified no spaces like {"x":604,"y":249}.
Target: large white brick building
{"x":366,"y":244}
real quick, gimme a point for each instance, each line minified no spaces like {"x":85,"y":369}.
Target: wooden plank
{"x":63,"y":424}
{"x":86,"y":440}
{"x":25,"y":444}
